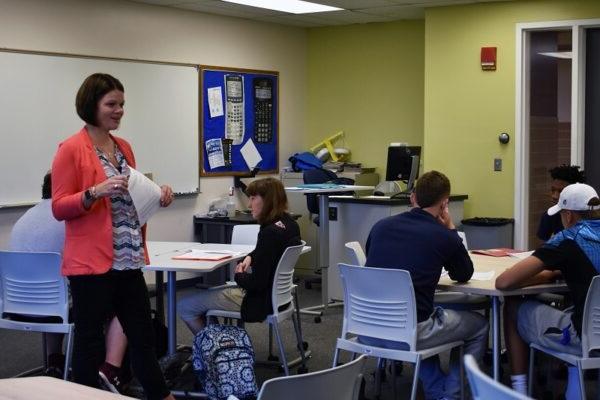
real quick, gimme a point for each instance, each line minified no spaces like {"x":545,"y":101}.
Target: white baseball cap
{"x":575,"y":197}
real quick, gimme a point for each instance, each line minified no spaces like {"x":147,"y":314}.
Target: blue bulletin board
{"x":239,"y":119}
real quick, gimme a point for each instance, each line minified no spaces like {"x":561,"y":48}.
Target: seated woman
{"x":254,"y":275}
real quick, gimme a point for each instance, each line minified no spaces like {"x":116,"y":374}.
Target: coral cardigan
{"x":88,"y":233}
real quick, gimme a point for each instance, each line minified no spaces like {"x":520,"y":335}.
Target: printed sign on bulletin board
{"x":239,"y":114}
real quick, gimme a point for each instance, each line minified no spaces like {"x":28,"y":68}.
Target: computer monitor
{"x":403,"y":164}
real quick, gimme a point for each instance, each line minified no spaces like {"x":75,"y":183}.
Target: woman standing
{"x":254,"y":275}
{"x":104,"y":242}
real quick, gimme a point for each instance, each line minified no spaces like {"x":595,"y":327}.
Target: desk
{"x":498,"y":265}
{"x":324,"y":230}
{"x":161,"y":259}
{"x":44,"y":387}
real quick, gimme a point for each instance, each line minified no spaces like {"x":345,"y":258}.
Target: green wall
{"x":467,"y":108}
{"x":366,"y":80}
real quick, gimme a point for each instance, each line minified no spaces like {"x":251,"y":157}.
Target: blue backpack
{"x":223,"y":359}
{"x":305,"y":161}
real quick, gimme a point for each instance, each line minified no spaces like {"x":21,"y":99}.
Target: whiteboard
{"x":37,"y":112}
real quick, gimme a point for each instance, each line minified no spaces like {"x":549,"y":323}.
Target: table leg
{"x":160,"y":296}
{"x":172,"y":311}
{"x":496,"y":336}
{"x":324,"y":247}
{"x":204,"y":237}
{"x":222,"y":234}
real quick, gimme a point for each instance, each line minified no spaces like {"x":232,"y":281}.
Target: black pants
{"x":95,"y":299}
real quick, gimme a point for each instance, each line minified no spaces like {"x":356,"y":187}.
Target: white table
{"x":483,"y":263}
{"x":161,"y":259}
{"x":44,"y":387}
{"x":323,"y":195}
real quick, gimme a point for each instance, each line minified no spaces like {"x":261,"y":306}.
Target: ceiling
{"x":355,"y":11}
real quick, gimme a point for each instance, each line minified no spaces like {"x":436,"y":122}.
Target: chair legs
{"x":283,"y":360}
{"x":68,"y":354}
{"x":581,"y":381}
{"x":530,"y":378}
{"x":413,"y":393}
{"x":462,"y":372}
{"x":298,"y":329}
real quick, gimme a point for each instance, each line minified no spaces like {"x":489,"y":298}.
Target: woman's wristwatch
{"x":90,"y":194}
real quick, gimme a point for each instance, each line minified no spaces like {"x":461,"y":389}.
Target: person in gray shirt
{"x":38,"y":231}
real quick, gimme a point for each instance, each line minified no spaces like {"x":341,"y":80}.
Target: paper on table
{"x":250,"y":154}
{"x":522,"y":255}
{"x":145,"y":195}
{"x":483,"y":276}
{"x":202,"y":255}
{"x":215,"y":101}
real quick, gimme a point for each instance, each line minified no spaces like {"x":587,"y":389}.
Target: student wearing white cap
{"x":573,"y":253}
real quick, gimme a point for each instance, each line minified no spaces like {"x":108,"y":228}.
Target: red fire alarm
{"x":488,"y":58}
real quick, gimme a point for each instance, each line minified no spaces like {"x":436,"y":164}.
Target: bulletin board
{"x":239,"y":121}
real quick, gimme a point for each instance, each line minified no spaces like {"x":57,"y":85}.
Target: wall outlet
{"x":497,"y":164}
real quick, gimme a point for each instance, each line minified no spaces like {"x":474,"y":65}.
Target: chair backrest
{"x":318,"y":175}
{"x":355,"y":253}
{"x":380,"y":303}
{"x":283,"y":280}
{"x":339,"y":383}
{"x":590,"y":330}
{"x":463,"y":236}
{"x":33,"y":285}
{"x":245,"y":234}
{"x":484,"y":387}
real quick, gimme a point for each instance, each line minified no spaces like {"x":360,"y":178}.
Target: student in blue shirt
{"x":422,"y":241}
{"x":573,"y":253}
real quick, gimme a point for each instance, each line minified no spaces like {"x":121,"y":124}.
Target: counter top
{"x":384,"y":200}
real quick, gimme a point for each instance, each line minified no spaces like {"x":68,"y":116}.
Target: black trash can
{"x":488,"y":233}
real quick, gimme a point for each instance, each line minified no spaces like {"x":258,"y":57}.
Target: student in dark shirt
{"x":574,"y":253}
{"x":422,"y":241}
{"x":254,"y":275}
{"x":562,"y":176}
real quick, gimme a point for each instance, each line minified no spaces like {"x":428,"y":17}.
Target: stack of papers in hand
{"x":205,"y":255}
{"x":502,"y":252}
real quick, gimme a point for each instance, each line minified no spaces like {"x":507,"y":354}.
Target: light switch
{"x":497,"y":164}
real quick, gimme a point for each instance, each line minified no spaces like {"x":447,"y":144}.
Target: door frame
{"x":522,"y":82}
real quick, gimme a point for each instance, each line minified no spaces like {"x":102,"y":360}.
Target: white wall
{"x":119,"y":28}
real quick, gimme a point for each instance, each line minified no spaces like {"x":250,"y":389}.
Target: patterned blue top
{"x":586,"y":233}
{"x":128,"y":243}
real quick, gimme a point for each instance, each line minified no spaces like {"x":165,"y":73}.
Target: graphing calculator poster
{"x":239,"y":112}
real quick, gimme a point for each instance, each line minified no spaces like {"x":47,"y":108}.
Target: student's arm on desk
{"x":527,"y":272}
{"x":460,"y":268}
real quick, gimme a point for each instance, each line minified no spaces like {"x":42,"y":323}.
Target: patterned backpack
{"x":223,"y":359}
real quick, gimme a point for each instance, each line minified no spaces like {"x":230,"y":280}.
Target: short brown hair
{"x":590,"y":214}
{"x":93,"y":88}
{"x":275,"y":202}
{"x":432,"y":187}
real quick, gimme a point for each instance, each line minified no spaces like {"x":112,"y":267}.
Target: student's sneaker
{"x":109,"y":378}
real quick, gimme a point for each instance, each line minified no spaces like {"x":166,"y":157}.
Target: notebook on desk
{"x":501,"y":252}
{"x":203,"y":255}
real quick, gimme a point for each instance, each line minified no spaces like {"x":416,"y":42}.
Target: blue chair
{"x":284,"y":303}
{"x":590,"y":339}
{"x":339,"y":383}
{"x":484,"y":388}
{"x":380,"y":303}
{"x":35,"y":296}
